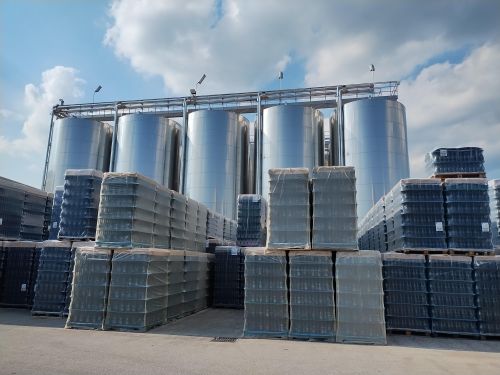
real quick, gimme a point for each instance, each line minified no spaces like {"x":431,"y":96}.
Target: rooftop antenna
{"x":193,"y":91}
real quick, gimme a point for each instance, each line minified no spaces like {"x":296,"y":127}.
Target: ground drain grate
{"x":224,"y":339}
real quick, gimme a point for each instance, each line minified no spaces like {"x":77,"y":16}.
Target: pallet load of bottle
{"x":229,"y":277}
{"x":55,"y":217}
{"x":445,"y":162}
{"x":494,"y":191}
{"x":251,"y":220}
{"x":24,"y":212}
{"x":373,"y":228}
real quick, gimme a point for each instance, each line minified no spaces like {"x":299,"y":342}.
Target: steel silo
{"x":334,"y":141}
{"x":147,"y":144}
{"x":292,"y":138}
{"x":376,"y":145}
{"x":77,"y":143}
{"x":213,"y":168}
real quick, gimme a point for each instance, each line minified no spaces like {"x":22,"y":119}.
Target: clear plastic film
{"x":201,"y":228}
{"x":229,"y":278}
{"x":334,"y":208}
{"x":178,"y":233}
{"x":196,"y":281}
{"x":494,"y":192}
{"x":266,"y":293}
{"x":55,"y":217}
{"x":455,"y":161}
{"x":252,"y":212}
{"x":467,"y":213}
{"x":487,"y":277}
{"x":312,"y":296}
{"x":89,"y":294}
{"x":288,"y":224}
{"x":372,"y":228}
{"x":360,"y":297}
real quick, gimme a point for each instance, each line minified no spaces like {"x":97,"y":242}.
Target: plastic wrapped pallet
{"x":201,"y":228}
{"x":3,"y":258}
{"x":178,"y":235}
{"x":215,"y":225}
{"x":56,"y":213}
{"x":175,"y":282}
{"x":372,"y":228}
{"x":53,"y":277}
{"x":414,"y":214}
{"x":487,"y":277}
{"x":74,"y":246}
{"x":126,"y":211}
{"x":11,"y":209}
{"x":334,"y":208}
{"x":405,"y":292}
{"x":89,"y":294}
{"x":288,"y":225}
{"x":452,"y":295}
{"x":251,"y":225}
{"x":467,"y":213}
{"x":196,"y":281}
{"x":36,"y":208}
{"x":19,"y":261}
{"x":229,"y":279}
{"x":444,"y":161}
{"x":204,"y":282}
{"x":34,"y":273}
{"x":312,"y":296}
{"x":80,"y":204}
{"x":191,"y":221}
{"x":138,"y":290}
{"x":266,"y":293}
{"x":161,"y":234}
{"x":360,"y":297}
{"x":494,"y":191}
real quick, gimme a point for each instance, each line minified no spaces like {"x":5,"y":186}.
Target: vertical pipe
{"x":182,"y":148}
{"x":112,"y":162}
{"x":258,"y":148}
{"x":340,"y":127}
{"x":49,"y":147}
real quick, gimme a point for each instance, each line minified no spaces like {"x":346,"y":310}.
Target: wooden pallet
{"x":408,"y":332}
{"x":444,"y":176}
{"x":426,"y":251}
{"x":47,"y":314}
{"x":471,"y":252}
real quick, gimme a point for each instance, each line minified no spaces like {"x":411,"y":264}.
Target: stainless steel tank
{"x":376,"y":145}
{"x":243,"y":140}
{"x":334,"y":141}
{"x":292,"y":137}
{"x":251,"y":159}
{"x":214,"y":162}
{"x":77,"y":143}
{"x":147,"y":144}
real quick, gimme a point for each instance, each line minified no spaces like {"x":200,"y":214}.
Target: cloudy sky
{"x":445,"y":53}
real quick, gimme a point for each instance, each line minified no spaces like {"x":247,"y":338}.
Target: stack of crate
{"x":462,"y":160}
{"x":405,"y":292}
{"x":196,"y":281}
{"x":80,"y":204}
{"x":175,"y":284}
{"x":452,"y":295}
{"x":17,"y":280}
{"x":334,"y":219}
{"x":11,"y":209}
{"x":215,"y":226}
{"x":138,"y":290}
{"x":414,"y":211}
{"x":360,"y":297}
{"x":56,"y":213}
{"x":487,"y":277}
{"x":201,"y":228}
{"x":312,"y":301}
{"x":126,"y":211}
{"x":178,"y":213}
{"x":191,"y":223}
{"x":90,"y":287}
{"x":53,"y":278}
{"x":229,"y":279}
{"x":372,"y":229}
{"x":251,"y":224}
{"x":204,"y":281}
{"x":289,"y":216}
{"x":161,"y":236}
{"x":467,"y":213}
{"x":494,"y":190}
{"x":266,"y":293}
{"x":74,"y":247}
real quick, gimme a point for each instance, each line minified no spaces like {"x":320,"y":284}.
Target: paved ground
{"x":41,"y":346}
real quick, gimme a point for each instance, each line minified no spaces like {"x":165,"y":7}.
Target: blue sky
{"x":442,"y":51}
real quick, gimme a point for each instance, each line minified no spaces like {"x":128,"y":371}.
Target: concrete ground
{"x":40,"y":345}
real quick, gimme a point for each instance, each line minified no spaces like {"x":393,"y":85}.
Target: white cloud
{"x":30,"y":141}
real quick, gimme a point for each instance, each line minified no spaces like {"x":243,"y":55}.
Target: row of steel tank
{"x":222,"y":149}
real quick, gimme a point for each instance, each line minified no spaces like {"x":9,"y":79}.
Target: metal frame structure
{"x":247,"y":102}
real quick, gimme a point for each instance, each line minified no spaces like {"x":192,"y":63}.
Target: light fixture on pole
{"x":372,"y":69}
{"x":61,"y":101}
{"x":193,"y":91}
{"x":280,"y":78}
{"x":98,"y":88}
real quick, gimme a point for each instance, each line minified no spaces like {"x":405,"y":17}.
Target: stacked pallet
{"x":11,"y":209}
{"x":74,"y":247}
{"x":126,"y":211}
{"x":312,"y":301}
{"x":487,"y":277}
{"x":18,"y":272}
{"x":360,"y":297}
{"x":289,"y":216}
{"x":494,"y":190}
{"x":462,"y":160}
{"x":163,"y":203}
{"x":467,"y":213}
{"x":372,"y":234}
{"x":196,"y":281}
{"x":37,"y":208}
{"x":229,"y":278}
{"x":3,"y":258}
{"x":34,"y":273}
{"x":80,"y":204}
{"x":90,"y":287}
{"x":55,"y":217}
{"x":138,"y":290}
{"x":178,"y":235}
{"x":53,"y":278}
{"x":251,"y":223}
{"x":201,"y":228}
{"x":215,"y":226}
{"x":266,"y":293}
{"x":405,"y":292}
{"x":334,"y":219}
{"x":175,"y":284}
{"x":452,"y":295}
{"x":414,"y":211}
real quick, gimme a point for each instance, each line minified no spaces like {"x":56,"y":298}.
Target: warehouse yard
{"x":40,"y":345}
